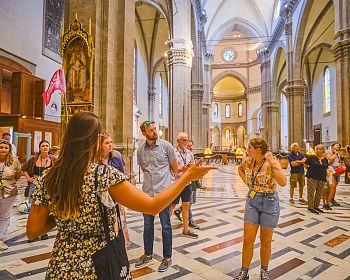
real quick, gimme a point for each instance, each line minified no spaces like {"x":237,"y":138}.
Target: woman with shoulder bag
{"x":77,"y":194}
{"x":34,"y":167}
{"x":10,"y":170}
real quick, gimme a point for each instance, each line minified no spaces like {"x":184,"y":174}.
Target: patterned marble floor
{"x":305,"y":246}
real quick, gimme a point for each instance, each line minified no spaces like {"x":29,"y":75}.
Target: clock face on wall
{"x":230,"y":55}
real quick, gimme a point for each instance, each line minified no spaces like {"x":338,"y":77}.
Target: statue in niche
{"x":78,"y":83}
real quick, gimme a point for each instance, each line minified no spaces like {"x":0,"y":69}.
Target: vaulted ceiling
{"x":254,"y":18}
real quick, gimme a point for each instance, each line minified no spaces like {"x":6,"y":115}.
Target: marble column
{"x":270,"y":105}
{"x":196,"y":132}
{"x":341,"y":50}
{"x":151,"y":99}
{"x":180,"y":58}
{"x":113,"y":71}
{"x":295,"y":91}
{"x":207,"y":97}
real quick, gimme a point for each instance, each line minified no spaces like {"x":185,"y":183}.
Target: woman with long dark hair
{"x":66,"y":197}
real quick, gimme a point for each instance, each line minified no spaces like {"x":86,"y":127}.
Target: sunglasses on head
{"x":149,"y":122}
{"x":3,"y":141}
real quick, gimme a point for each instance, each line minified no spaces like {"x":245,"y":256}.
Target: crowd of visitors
{"x":67,"y":186}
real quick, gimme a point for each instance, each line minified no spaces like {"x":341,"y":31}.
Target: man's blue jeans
{"x":148,"y":233}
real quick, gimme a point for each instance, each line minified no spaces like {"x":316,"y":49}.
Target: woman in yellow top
{"x":260,"y":172}
{"x":66,"y":196}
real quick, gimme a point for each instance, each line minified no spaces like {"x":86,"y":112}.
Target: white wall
{"x":21,"y":32}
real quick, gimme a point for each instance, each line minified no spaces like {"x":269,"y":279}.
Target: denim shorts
{"x":185,"y":195}
{"x":263,"y":210}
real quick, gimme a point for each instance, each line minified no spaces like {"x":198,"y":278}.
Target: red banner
{"x":57,"y":82}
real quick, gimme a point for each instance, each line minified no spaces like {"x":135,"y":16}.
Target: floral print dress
{"x":264,"y":181}
{"x":78,"y":238}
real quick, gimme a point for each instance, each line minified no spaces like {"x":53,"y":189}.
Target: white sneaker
{"x":3,"y":246}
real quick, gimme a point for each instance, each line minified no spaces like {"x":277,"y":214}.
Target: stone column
{"x":196,"y":132}
{"x":341,"y":50}
{"x":270,"y":105}
{"x":151,"y":98}
{"x":207,"y":97}
{"x":180,"y":58}
{"x":113,"y":71}
{"x":295,"y":91}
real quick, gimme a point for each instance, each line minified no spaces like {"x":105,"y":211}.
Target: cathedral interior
{"x":223,"y":71}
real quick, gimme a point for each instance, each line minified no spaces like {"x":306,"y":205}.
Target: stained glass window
{"x":230,"y":55}
{"x":227,"y":135}
{"x":326,"y":90}
{"x":160,"y":104}
{"x":227,"y":111}
{"x":216,"y":110}
{"x":240,"y":110}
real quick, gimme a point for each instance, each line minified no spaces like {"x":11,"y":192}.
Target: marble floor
{"x":305,"y":245}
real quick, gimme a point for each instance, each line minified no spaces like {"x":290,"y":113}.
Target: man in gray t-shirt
{"x":158,"y":162}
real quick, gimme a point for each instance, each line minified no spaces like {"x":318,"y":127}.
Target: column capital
{"x":182,"y":56}
{"x":341,"y":49}
{"x":288,"y":28}
{"x":295,"y":88}
{"x":197,"y":94}
{"x":151,"y":93}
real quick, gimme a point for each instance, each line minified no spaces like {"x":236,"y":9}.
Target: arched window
{"x":227,"y":135}
{"x":259,"y":120}
{"x":326,"y":91}
{"x":240,"y":110}
{"x":160,"y":102}
{"x":134,"y":84}
{"x":216,"y":110}
{"x":227,"y":111}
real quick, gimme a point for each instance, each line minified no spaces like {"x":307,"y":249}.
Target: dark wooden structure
{"x":22,"y":106}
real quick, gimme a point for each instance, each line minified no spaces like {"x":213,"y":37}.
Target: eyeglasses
{"x":148,"y":123}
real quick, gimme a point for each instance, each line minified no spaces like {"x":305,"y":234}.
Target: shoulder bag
{"x":111,"y":262}
{"x":340,"y":169}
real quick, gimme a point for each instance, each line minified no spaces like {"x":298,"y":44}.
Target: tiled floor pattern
{"x":305,"y":246}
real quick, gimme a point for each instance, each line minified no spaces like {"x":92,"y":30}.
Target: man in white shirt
{"x":184,"y":161}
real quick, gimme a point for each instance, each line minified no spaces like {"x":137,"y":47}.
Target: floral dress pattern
{"x":78,"y":238}
{"x":264,"y":181}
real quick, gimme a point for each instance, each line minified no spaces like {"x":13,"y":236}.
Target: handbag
{"x":111,"y":262}
{"x":340,"y":169}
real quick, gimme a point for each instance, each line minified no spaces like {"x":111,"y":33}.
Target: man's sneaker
{"x":193,"y":224}
{"x":242,"y":276}
{"x":190,"y":234}
{"x":291,"y":201}
{"x":177,"y":213}
{"x":3,"y":246}
{"x":264,"y":275}
{"x":164,"y":265}
{"x":143,"y":260}
{"x":313,"y":211}
{"x":319,"y":210}
{"x":334,"y":203}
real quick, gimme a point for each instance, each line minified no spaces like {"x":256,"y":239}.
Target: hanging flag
{"x":57,"y":82}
